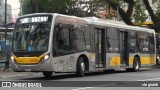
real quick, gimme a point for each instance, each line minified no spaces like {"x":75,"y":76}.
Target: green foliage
{"x":157,"y":12}
{"x":154,"y":1}
{"x":139,"y":13}
{"x":68,"y":7}
{"x":25,"y":6}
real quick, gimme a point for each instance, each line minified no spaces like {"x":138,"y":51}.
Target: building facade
{"x":2,"y":13}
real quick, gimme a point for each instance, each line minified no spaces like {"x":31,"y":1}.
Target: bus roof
{"x":35,"y":14}
{"x":109,"y":23}
{"x":96,"y":21}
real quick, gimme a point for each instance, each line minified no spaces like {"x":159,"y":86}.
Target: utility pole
{"x":21,"y":12}
{"x":118,"y":17}
{"x":5,"y":17}
{"x":5,"y":23}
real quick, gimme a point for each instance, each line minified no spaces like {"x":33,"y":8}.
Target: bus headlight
{"x":12,"y":59}
{"x":45,"y":58}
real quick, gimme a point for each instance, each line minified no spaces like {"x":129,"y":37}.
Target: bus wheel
{"x":157,"y":62}
{"x":80,"y":67}
{"x":136,"y":64}
{"x":47,"y":74}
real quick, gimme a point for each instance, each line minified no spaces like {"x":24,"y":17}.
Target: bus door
{"x":100,"y":48}
{"x":124,"y":48}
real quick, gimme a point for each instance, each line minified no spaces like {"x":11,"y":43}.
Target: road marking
{"x":83,"y":88}
{"x":149,"y":79}
{"x":113,"y":84}
{"x":96,"y":86}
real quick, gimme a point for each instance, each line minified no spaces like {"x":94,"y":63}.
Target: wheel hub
{"x":83,"y":66}
{"x":137,"y":65}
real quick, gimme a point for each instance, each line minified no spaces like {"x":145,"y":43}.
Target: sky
{"x":15,"y":7}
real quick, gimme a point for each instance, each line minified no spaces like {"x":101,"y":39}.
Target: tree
{"x":155,"y":19}
{"x":125,"y":15}
{"x":139,"y":13}
{"x":25,"y":6}
{"x":68,"y":7}
{"x":158,"y":11}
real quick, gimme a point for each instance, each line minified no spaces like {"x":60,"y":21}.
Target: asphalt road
{"x":117,"y":80}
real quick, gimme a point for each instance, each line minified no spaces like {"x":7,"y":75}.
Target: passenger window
{"x":112,"y":40}
{"x":143,"y":39}
{"x":64,"y":36}
{"x":151,"y":43}
{"x":133,"y":42}
{"x":62,"y":41}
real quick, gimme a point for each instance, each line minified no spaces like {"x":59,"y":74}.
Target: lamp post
{"x":21,"y":12}
{"x":5,"y":23}
{"x":5,"y":17}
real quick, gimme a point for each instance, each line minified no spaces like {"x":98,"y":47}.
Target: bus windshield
{"x":31,"y":37}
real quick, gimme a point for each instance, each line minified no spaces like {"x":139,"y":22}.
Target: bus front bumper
{"x":46,"y":66}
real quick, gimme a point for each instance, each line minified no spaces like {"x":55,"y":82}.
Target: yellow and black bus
{"x":50,"y":42}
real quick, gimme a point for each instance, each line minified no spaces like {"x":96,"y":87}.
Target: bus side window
{"x":62,"y":41}
{"x":55,"y":41}
{"x":151,"y":43}
{"x":80,"y":39}
{"x":64,"y":37}
{"x":133,"y":42}
{"x":112,"y":40}
{"x":143,"y":42}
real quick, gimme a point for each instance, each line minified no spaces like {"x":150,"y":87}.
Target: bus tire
{"x":47,"y":74}
{"x":157,"y":62}
{"x":80,"y":67}
{"x":136,"y":64}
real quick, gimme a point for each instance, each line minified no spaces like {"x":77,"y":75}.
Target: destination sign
{"x":34,"y":19}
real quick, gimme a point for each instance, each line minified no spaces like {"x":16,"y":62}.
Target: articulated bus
{"x":50,"y":42}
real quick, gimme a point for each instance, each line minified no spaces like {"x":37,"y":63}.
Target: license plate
{"x":27,"y":70}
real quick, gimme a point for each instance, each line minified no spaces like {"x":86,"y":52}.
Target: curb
{"x":19,"y":75}
{"x":9,"y":76}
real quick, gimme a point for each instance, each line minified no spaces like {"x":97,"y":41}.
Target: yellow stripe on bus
{"x":115,"y":61}
{"x":147,"y":60}
{"x":131,"y":60}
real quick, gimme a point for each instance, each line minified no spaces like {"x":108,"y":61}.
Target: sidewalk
{"x":9,"y":73}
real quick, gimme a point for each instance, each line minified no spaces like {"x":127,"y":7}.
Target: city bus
{"x":51,"y":42}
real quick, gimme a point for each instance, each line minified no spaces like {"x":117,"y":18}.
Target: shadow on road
{"x":60,"y":76}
